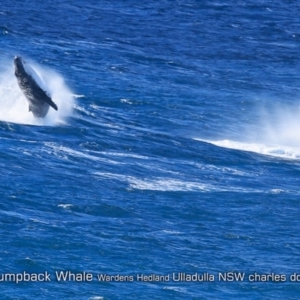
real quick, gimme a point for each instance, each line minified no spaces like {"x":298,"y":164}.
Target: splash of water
{"x":14,"y":106}
{"x":263,"y":148}
{"x":277,"y":134}
{"x":283,"y":126}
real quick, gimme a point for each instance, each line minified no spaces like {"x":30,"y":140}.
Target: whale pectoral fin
{"x":49,"y":101}
{"x":52,"y":104}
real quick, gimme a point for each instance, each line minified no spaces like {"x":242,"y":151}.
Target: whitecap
{"x":65,"y":206}
{"x":166,"y":184}
{"x":265,"y":149}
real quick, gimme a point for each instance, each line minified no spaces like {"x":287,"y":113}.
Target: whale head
{"x":19,"y":65}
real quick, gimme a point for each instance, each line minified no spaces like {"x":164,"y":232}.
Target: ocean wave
{"x":265,"y":149}
{"x":167,"y":184}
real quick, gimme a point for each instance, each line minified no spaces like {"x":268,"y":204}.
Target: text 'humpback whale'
{"x":38,"y":99}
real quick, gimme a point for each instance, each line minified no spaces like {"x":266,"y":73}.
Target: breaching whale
{"x":38,"y":99}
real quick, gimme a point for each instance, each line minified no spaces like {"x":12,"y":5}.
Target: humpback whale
{"x":38,"y":99}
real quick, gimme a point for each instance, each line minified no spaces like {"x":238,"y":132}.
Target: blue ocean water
{"x":175,"y":150}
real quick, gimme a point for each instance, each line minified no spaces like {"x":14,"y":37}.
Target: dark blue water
{"x":175,"y":149}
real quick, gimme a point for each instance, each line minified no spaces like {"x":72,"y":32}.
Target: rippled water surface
{"x":175,"y":150}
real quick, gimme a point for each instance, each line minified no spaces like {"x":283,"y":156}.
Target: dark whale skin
{"x":39,"y":101}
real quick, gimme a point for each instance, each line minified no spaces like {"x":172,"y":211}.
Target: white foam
{"x":266,"y":149}
{"x":163,"y":184}
{"x":173,"y":232}
{"x":123,"y":154}
{"x":65,"y":206}
{"x":38,"y":221}
{"x":14,"y":106}
{"x":78,"y":96}
{"x":77,"y":107}
{"x":175,"y":288}
{"x":66,"y":152}
{"x":123,"y":100}
{"x":166,"y":185}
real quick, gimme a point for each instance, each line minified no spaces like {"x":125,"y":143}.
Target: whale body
{"x":39,"y":101}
